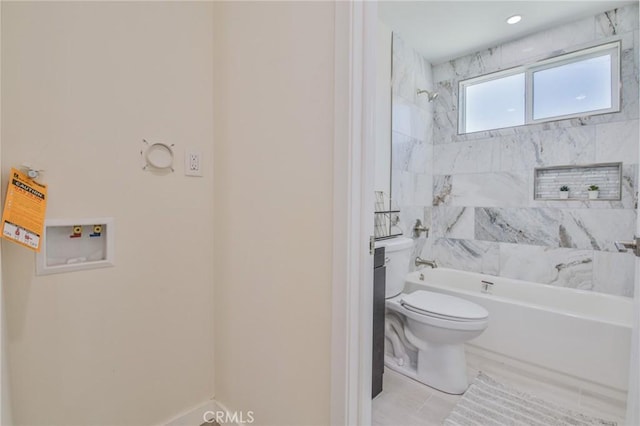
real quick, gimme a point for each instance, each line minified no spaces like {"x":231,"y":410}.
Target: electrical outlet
{"x":192,"y":163}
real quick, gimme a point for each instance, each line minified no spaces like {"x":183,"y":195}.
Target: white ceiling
{"x":443,"y":30}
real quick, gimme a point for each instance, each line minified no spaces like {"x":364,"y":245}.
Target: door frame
{"x":633,"y":395}
{"x":352,"y":289}
{"x":5,"y":413}
{"x":352,"y":286}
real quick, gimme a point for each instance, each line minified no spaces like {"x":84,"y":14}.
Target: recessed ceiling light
{"x":514,"y":19}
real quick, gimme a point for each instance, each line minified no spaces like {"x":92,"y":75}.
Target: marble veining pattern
{"x":468,"y":255}
{"x":442,"y":187}
{"x":617,"y":21}
{"x":446,"y":117}
{"x":445,"y":114}
{"x":636,"y":44}
{"x":409,"y":154}
{"x":408,"y":217}
{"x":554,"y":147}
{"x":412,"y":142}
{"x":518,"y":225}
{"x":596,"y":229}
{"x":453,"y":222}
{"x":424,"y":189}
{"x":401,"y":149}
{"x":589,"y":229}
{"x":552,"y":42}
{"x":410,"y":73}
{"x":483,"y":216}
{"x":470,"y":65}
{"x":466,"y":157}
{"x":502,"y":189}
{"x":554,"y":266}
{"x":629,"y":187}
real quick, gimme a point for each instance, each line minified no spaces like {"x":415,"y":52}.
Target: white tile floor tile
{"x":554,"y":388}
{"x":405,"y":402}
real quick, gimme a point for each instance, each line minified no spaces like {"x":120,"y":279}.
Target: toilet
{"x":425,"y":331}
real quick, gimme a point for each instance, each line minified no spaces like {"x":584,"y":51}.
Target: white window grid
{"x":611,"y":48}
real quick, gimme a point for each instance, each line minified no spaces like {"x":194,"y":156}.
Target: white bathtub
{"x":579,"y":333}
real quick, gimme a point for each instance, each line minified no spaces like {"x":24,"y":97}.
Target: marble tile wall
{"x":411,"y":139}
{"x":483,"y":215}
{"x":578,"y":180}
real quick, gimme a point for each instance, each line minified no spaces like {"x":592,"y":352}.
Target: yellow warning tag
{"x":24,"y":211}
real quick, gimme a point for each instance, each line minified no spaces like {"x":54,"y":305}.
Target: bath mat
{"x":490,"y":403}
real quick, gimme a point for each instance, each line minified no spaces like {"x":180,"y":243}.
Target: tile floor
{"x":405,"y":402}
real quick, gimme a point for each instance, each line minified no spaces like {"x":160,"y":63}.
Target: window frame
{"x":612,"y":48}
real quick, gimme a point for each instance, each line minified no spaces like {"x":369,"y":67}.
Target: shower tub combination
{"x":571,"y":333}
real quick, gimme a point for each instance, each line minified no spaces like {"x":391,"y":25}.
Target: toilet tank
{"x":397,"y":252}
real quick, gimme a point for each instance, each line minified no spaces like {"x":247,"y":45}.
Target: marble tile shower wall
{"x":411,"y":138}
{"x":484,"y":217}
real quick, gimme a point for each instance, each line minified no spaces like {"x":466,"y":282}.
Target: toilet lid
{"x":442,"y":305}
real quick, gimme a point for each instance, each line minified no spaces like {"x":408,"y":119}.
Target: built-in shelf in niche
{"x":607,"y":176}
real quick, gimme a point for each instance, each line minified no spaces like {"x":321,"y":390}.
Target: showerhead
{"x":431,"y":96}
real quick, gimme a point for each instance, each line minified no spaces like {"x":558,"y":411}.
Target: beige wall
{"x":82,"y":84}
{"x":5,"y":407}
{"x":273,"y":174}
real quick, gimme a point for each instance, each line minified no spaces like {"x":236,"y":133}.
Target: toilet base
{"x":442,"y":367}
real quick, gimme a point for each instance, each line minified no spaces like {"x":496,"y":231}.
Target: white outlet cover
{"x":189,"y":170}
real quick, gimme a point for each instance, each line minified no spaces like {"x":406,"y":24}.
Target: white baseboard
{"x":196,"y":416}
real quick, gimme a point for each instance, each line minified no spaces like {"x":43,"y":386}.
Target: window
{"x":576,"y":84}
{"x":576,"y":87}
{"x":505,"y":108}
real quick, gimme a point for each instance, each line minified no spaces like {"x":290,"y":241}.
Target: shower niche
{"x":578,"y":178}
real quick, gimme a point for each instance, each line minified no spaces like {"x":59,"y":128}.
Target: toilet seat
{"x":442,"y":306}
{"x":438,"y":326}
